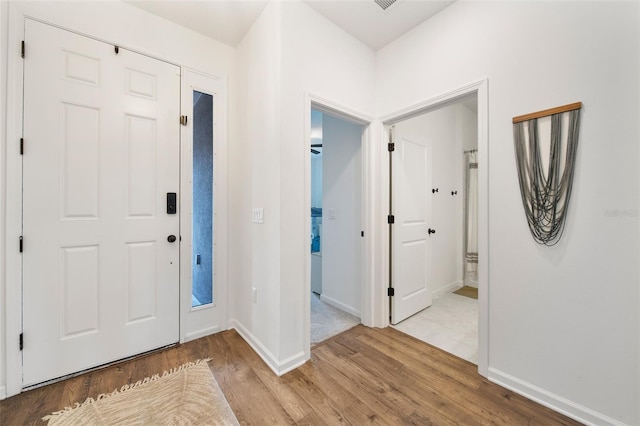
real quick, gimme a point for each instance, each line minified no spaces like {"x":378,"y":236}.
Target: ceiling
{"x":376,"y":28}
{"x":229,"y":20}
{"x":224,"y":20}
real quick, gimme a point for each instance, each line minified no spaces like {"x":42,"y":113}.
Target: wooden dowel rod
{"x":547,"y":112}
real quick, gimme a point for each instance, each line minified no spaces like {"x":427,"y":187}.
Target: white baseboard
{"x":278,"y":367}
{"x":449,"y":288}
{"x":201,"y":333}
{"x":339,"y":305}
{"x":3,"y":392}
{"x":548,"y":399}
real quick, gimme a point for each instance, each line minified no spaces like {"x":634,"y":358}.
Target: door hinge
{"x":21,"y":341}
{"x":391,"y":291}
{"x":183,"y":120}
{"x":22,"y":49}
{"x":20,"y":244}
{"x":391,"y":146}
{"x":391,"y":219}
{"x":116,"y":49}
{"x":362,"y":233}
{"x":21,"y":146}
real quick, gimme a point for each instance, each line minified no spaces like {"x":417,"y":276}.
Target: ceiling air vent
{"x":384,"y":4}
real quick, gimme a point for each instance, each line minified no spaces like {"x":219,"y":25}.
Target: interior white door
{"x":410,"y":255}
{"x":101,"y":131}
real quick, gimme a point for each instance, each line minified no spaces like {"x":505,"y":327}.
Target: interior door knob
{"x":431,"y":231}
{"x":171,"y":238}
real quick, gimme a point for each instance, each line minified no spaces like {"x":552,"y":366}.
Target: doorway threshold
{"x":99,"y":367}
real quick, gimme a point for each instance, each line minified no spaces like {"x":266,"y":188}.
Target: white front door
{"x":410,"y":256}
{"x":102,"y":149}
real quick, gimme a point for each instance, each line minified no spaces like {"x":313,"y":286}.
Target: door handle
{"x":171,"y":238}
{"x":431,"y":231}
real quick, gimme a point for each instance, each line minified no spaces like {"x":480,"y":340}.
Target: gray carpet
{"x":327,"y":321}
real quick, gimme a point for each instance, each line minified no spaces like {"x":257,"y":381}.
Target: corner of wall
{"x":255,"y":255}
{"x":279,"y":367}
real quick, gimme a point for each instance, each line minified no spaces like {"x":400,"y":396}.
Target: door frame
{"x":481,"y":89}
{"x":313,"y":101}
{"x":11,"y":216}
{"x":211,"y":318}
{"x":13,"y":230}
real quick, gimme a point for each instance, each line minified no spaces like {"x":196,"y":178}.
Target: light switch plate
{"x":257,"y":215}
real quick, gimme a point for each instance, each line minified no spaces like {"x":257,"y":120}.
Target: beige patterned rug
{"x":187,"y":395}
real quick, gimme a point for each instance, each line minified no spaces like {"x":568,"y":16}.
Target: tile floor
{"x":450,"y":323}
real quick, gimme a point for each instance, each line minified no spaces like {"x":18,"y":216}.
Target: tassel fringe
{"x":146,"y":380}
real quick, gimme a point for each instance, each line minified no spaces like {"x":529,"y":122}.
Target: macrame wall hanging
{"x":545,"y":196}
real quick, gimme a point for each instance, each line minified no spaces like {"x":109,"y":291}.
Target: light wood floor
{"x":364,"y":375}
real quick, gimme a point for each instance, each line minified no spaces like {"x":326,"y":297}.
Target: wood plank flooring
{"x":362,"y":376}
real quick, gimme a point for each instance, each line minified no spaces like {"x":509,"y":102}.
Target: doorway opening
{"x":335,"y":224}
{"x":434,"y":248}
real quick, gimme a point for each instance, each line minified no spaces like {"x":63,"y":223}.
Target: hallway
{"x":361,"y":376}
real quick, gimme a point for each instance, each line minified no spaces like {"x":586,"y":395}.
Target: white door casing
{"x":102,"y":147}
{"x":208,"y":318}
{"x":411,"y":205}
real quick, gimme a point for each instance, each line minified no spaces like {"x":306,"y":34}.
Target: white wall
{"x":468,"y":127}
{"x":446,"y":130}
{"x":563,"y":320}
{"x":117,"y":22}
{"x":120,"y":24}
{"x":289,"y":51}
{"x":259,"y":56}
{"x":341,"y":240}
{"x":322,"y":59}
